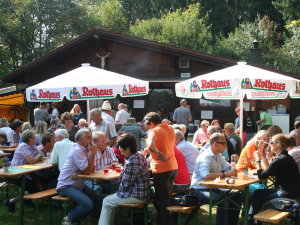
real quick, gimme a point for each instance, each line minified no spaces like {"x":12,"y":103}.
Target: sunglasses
{"x":68,"y":118}
{"x":205,"y":126}
{"x":222,"y":143}
{"x":274,"y":142}
{"x":266,"y":143}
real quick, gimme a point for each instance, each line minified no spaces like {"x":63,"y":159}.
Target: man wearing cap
{"x":100,"y":124}
{"x":122,"y":114}
{"x":131,"y":128}
{"x":40,"y":114}
{"x":106,"y":113}
{"x":233,"y":137}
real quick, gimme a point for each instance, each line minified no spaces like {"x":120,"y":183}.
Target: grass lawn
{"x":29,"y":215}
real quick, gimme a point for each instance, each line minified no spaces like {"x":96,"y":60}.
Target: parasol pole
{"x":241,"y":113}
{"x":88,"y":111}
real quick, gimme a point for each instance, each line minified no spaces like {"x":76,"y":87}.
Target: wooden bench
{"x":138,"y":207}
{"x":42,"y":196}
{"x":8,"y":193}
{"x":68,"y":201}
{"x":182,"y":209}
{"x":271,"y":216}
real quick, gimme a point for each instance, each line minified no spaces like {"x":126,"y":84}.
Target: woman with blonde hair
{"x":283,"y":168}
{"x":76,"y":113}
{"x":259,"y":142}
{"x":40,"y":129}
{"x":4,"y":126}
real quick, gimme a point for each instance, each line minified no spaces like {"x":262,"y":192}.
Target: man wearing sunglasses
{"x":210,"y":165}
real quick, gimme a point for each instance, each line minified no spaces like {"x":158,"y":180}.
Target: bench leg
{"x":49,"y":210}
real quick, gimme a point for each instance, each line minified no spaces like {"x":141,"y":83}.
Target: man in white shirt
{"x":62,"y":148}
{"x":99,"y":124}
{"x":60,"y":153}
{"x":189,"y":151}
{"x":55,"y":113}
{"x":122,"y":114}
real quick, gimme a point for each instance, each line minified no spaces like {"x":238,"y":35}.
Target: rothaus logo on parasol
{"x":133,"y":90}
{"x":209,"y":85}
{"x":260,"y":84}
{"x":94,"y":92}
{"x":46,"y":95}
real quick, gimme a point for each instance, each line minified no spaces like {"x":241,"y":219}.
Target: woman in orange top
{"x":259,"y":142}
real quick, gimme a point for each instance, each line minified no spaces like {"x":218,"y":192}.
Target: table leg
{"x":22,"y":200}
{"x":210,"y":207}
{"x":246,"y":205}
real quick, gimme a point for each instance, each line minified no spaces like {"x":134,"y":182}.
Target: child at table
{"x":3,"y":140}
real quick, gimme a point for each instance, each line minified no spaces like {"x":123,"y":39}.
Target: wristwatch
{"x":258,"y":161}
{"x":158,"y":153}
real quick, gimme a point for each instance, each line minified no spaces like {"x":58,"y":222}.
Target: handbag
{"x":186,"y":200}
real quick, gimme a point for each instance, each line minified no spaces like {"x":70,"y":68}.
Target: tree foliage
{"x":181,"y":28}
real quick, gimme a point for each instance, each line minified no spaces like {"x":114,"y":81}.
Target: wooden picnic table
{"x":100,"y":175}
{"x":9,"y":149}
{"x":2,"y":155}
{"x":240,"y":185}
{"x":17,"y":171}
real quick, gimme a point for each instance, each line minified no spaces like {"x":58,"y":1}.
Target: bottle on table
{"x":246,"y":169}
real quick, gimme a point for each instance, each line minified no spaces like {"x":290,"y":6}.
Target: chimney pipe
{"x":255,"y":54}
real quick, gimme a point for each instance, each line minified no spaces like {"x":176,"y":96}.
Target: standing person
{"x":265,"y":119}
{"x":131,"y":128}
{"x":49,"y":111}
{"x":99,"y":124}
{"x":233,"y":138}
{"x":122,"y":115}
{"x":81,"y":159}
{"x":54,"y":114}
{"x":146,"y":129}
{"x":163,"y":162}
{"x":283,"y":168}
{"x":106,"y":113}
{"x":134,"y":181}
{"x":76,"y":113}
{"x":40,"y":114}
{"x":248,"y":131}
{"x":67,"y":120}
{"x":210,"y":164}
{"x":183,"y":115}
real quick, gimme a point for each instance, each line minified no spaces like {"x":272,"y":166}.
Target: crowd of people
{"x":156,"y":153}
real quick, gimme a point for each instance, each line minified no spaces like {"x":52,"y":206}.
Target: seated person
{"x":26,"y":153}
{"x":210,"y":165}
{"x":47,"y":175}
{"x":283,"y":168}
{"x":81,"y":159}
{"x":105,"y":156}
{"x":15,"y":135}
{"x":259,"y":142}
{"x":182,"y":180}
{"x":189,"y":151}
{"x":134,"y":180}
{"x":3,"y":140}
{"x":201,"y":136}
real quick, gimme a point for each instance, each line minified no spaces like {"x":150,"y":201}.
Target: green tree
{"x":31,"y":28}
{"x":109,"y":15}
{"x":182,"y":28}
{"x":290,"y":9}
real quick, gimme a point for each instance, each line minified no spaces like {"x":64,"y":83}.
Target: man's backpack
{"x":285,"y":205}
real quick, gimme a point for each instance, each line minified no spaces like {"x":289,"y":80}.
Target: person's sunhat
{"x":130,"y":121}
{"x":106,"y":106}
{"x":229,"y":126}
